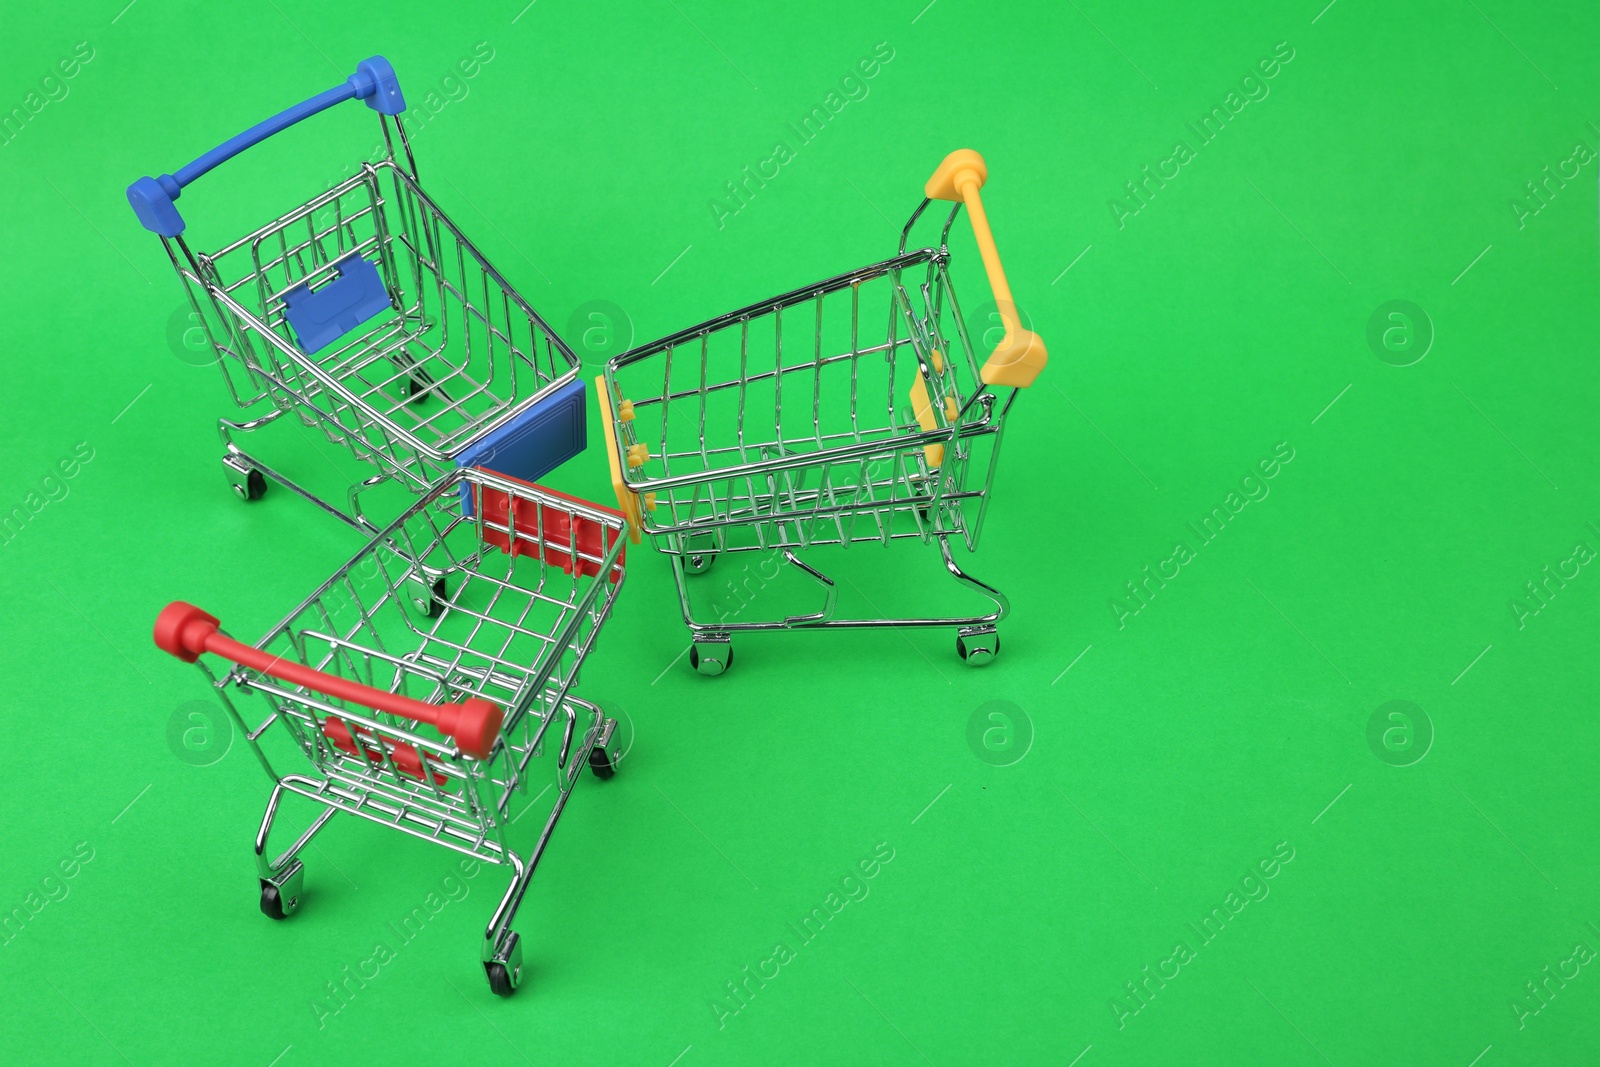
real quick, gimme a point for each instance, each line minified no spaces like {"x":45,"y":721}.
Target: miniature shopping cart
{"x":853,"y":410}
{"x":427,"y":676}
{"x":371,"y":318}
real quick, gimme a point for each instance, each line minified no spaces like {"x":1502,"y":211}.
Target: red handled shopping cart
{"x":368,"y":316}
{"x":427,"y":683}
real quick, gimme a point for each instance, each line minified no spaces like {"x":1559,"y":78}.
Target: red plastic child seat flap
{"x":520,"y":527}
{"x":407,"y":759}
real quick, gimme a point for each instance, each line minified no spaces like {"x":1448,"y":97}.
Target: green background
{"x":1229,"y":717}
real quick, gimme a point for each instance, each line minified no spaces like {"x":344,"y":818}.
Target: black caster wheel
{"x":601,"y":763}
{"x":711,"y":658}
{"x":252,"y":487}
{"x":505,"y":972}
{"x":978,"y":650}
{"x":430,"y":604}
{"x":701,"y":553}
{"x":501,"y":980}
{"x":271,"y":902}
{"x":417,"y":386}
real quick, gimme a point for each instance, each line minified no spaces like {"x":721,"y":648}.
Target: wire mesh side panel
{"x":220,"y":340}
{"x":960,"y":475}
{"x":794,"y":423}
{"x":455,"y":351}
{"x":510,"y":626}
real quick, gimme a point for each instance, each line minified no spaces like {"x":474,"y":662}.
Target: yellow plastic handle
{"x":1020,"y":355}
{"x":627,"y":499}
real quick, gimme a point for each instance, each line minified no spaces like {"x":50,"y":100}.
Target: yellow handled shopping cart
{"x":853,"y":410}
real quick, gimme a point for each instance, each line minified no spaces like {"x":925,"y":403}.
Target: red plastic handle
{"x":185,"y":631}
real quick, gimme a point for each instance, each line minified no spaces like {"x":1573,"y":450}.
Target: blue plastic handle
{"x":151,"y":198}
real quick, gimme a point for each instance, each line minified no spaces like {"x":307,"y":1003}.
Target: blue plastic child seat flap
{"x":534,"y":443}
{"x":320,"y":318}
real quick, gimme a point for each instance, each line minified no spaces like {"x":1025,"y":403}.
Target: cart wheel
{"x":251,"y":487}
{"x":272,"y":902}
{"x":601,"y":763}
{"x":505,"y":972}
{"x":433,"y":601}
{"x":700,"y":553}
{"x":501,"y":981}
{"x":711,"y":657}
{"x":280,"y":896}
{"x":417,"y":386}
{"x":978,"y":649}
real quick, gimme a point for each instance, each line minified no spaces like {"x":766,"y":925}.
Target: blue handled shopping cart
{"x":366,"y":314}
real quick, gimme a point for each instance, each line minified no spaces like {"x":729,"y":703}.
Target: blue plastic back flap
{"x":354,"y":295}
{"x":532,"y":444}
